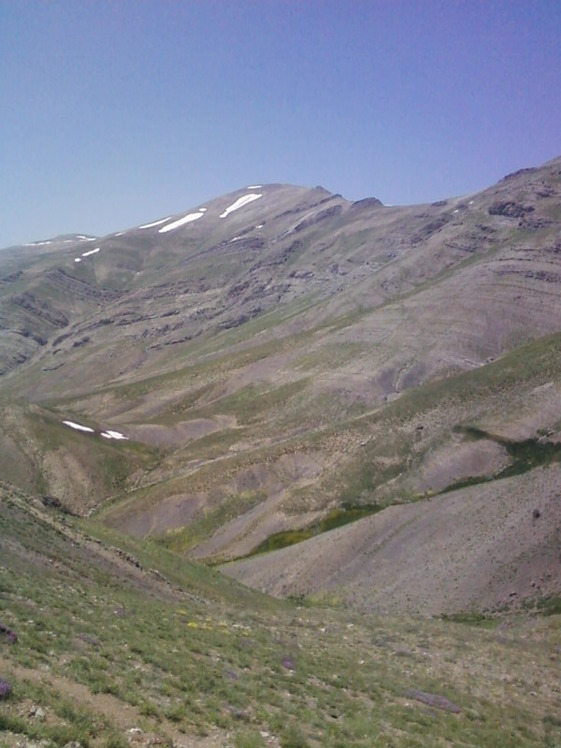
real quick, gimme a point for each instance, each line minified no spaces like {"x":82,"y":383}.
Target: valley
{"x":284,"y":470}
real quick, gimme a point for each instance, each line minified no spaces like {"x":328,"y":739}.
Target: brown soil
{"x":166,"y":436}
{"x":471,"y":549}
{"x":125,"y":717}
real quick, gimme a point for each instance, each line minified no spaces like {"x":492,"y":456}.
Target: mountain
{"x":354,"y":408}
{"x":324,"y":398}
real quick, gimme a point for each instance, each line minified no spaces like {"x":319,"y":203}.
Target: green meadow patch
{"x":335,"y":518}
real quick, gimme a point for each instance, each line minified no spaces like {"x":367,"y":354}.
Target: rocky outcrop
{"x":434,"y":700}
{"x":39,"y":308}
{"x":323,"y":215}
{"x":367,"y":204}
{"x":430,"y":228}
{"x":509,"y":209}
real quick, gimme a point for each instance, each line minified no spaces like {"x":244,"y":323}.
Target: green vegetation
{"x":116,"y":633}
{"x":330,"y":355}
{"x":526,"y":455}
{"x":531,"y":364}
{"x":203,"y":525}
{"x":252,"y":403}
{"x":550,"y":606}
{"x":336,"y":518}
{"x":473,"y":618}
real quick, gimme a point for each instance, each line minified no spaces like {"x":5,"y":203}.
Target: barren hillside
{"x":369,"y":388}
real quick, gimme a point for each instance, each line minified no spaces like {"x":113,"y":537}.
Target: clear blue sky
{"x":116,"y":113}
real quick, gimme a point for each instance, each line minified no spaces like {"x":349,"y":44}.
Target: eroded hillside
{"x":279,"y":363}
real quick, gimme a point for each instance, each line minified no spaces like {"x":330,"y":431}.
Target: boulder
{"x":5,"y":688}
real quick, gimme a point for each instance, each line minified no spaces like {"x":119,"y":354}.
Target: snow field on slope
{"x":181,"y":222}
{"x":240,"y":202}
{"x":87,"y":254}
{"x":154,"y":223}
{"x":109,"y":434}
{"x":78,"y":426}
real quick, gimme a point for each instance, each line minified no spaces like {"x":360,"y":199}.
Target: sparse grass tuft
{"x":249,"y":739}
{"x":473,"y":618}
{"x":550,"y":606}
{"x":293,"y":737}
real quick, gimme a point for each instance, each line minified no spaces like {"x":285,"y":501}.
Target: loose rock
{"x":5,"y":688}
{"x":434,"y":700}
{"x":289,"y":663}
{"x":11,"y":635}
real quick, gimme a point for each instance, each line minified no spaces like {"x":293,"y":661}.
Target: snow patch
{"x":91,"y":252}
{"x":78,"y":426}
{"x":120,"y":233}
{"x":84,"y":238}
{"x":106,"y":434}
{"x":113,"y":435}
{"x":255,"y":186}
{"x":180,"y":222}
{"x":240,"y":202}
{"x":260,"y":226}
{"x":78,"y":259}
{"x":154,"y":223}
{"x":203,"y":210}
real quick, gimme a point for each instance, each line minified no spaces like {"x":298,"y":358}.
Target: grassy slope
{"x":106,"y":644}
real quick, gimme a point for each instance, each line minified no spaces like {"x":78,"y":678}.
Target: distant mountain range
{"x":318,"y":396}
